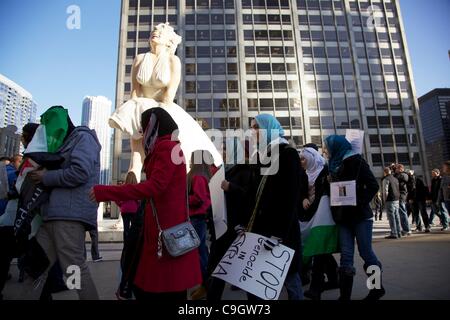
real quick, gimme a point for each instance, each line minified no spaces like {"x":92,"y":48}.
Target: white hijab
{"x":314,"y":164}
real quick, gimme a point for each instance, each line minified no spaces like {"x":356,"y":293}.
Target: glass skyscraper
{"x":16,"y":105}
{"x":320,"y":67}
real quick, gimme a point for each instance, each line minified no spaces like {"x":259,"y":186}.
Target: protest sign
{"x":218,"y":204}
{"x":356,"y":138}
{"x":251,"y":267}
{"x":343,"y":193}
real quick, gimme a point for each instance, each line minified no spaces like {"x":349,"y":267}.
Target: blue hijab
{"x":271,"y":125}
{"x":339,"y":149}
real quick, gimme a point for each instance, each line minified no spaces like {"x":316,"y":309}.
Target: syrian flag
{"x":27,"y":166}
{"x":48,"y":138}
{"x":320,"y":234}
{"x":50,"y":134}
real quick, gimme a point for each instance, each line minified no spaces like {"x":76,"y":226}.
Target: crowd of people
{"x":269,"y":205}
{"x":404,"y":195}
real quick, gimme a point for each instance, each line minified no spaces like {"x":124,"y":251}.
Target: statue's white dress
{"x":127,"y":117}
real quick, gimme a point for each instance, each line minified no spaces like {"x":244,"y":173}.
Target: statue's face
{"x":159,"y":36}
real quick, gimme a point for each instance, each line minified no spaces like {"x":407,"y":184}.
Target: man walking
{"x":391,"y":197}
{"x":69,"y":213}
{"x":419,"y":205}
{"x":444,"y":196}
{"x":402,"y":178}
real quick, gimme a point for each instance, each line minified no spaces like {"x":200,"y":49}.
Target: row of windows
{"x":207,"y":35}
{"x":272,"y":86}
{"x":271,"y":51}
{"x":272,"y":104}
{"x":267,"y":68}
{"x":377,"y":159}
{"x":347,"y":69}
{"x":333,"y":52}
{"x":385,"y":122}
{"x":208,"y":69}
{"x":269,"y":4}
{"x":206,"y":52}
{"x":342,"y":36}
{"x":207,"y":105}
{"x":205,"y":4}
{"x":266,"y":19}
{"x":157,"y":18}
{"x":266,"y":35}
{"x":327,"y":122}
{"x":326,"y":104}
{"x":401,"y":140}
{"x":217,"y":86}
{"x":171,"y":4}
{"x":206,"y":19}
{"x":322,"y":4}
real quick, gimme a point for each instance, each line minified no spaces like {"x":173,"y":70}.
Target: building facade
{"x":435,"y":116}
{"x":9,"y":141}
{"x":320,"y":67}
{"x":16,"y":105}
{"x":95,"y":115}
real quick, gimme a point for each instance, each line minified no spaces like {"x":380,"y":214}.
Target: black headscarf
{"x":28,"y":132}
{"x":155,"y":123}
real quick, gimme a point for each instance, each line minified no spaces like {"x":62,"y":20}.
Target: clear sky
{"x":60,"y":66}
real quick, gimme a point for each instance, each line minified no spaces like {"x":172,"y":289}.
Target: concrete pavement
{"x":415,"y":268}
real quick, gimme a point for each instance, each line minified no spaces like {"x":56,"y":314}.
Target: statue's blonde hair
{"x":173,"y":40}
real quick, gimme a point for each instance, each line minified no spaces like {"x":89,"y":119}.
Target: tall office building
{"x":16,"y":105}
{"x":320,"y":67}
{"x":95,"y":115}
{"x":435,"y":115}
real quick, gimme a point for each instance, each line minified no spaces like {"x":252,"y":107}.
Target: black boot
{"x":316,"y":286}
{"x":345,"y":285}
{"x":331,"y":270}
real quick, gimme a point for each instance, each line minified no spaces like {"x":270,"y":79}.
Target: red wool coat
{"x":166,"y":184}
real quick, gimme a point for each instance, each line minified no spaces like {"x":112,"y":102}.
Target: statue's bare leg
{"x":137,"y":157}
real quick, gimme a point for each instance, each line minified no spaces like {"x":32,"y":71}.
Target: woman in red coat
{"x":165,"y":277}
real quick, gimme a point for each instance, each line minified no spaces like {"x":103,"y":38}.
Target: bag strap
{"x":155,"y":213}
{"x":258,"y":198}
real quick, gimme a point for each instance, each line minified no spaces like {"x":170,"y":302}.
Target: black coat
{"x":356,"y":168}
{"x":403,"y":178}
{"x":278,"y":211}
{"x":436,"y":189}
{"x":321,"y":188}
{"x":239,"y":197}
{"x":421,"y":191}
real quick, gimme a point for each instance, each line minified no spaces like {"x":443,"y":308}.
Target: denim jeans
{"x":432,"y":213}
{"x":420,"y":210}
{"x":392,"y":209}
{"x":293,"y":284}
{"x":404,"y":217}
{"x":199,"y":224}
{"x":441,"y":210}
{"x":362,"y":232}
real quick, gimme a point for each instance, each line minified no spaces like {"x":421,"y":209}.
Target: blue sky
{"x":60,"y":66}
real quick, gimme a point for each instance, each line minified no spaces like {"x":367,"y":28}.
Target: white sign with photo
{"x":218,"y":203}
{"x":249,"y":266}
{"x":343,"y":193}
{"x":356,"y":138}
